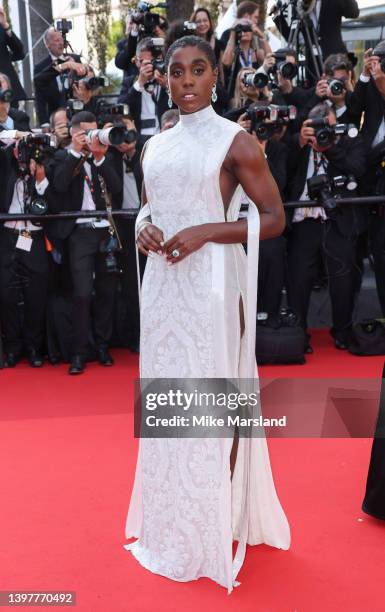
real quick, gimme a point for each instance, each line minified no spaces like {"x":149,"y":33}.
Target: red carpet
{"x":67,"y":465}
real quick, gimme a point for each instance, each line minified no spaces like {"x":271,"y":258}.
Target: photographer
{"x":23,"y":256}
{"x":272,"y":255}
{"x":147,"y":98}
{"x":59,"y":126}
{"x":11,"y":50}
{"x":328,"y":165}
{"x":336,"y":87}
{"x":127,"y":165}
{"x":156,"y":26}
{"x":369,"y":97}
{"x":51,"y":76}
{"x":86,"y":89}
{"x":77,"y":182}
{"x":10,"y":118}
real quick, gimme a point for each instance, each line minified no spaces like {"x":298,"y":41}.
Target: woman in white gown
{"x":198,"y":316}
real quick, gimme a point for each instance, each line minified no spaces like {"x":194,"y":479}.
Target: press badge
{"x":24,"y":242}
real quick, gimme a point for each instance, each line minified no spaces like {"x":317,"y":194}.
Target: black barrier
{"x":132,"y":213}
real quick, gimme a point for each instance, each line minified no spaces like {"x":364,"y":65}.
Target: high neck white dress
{"x":185,"y":508}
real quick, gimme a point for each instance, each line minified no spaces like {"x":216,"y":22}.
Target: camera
{"x":37,"y":147}
{"x":107,"y":112}
{"x":269,"y":120}
{"x":259,"y":80}
{"x":73,"y":106}
{"x":108,"y":136}
{"x":242,"y":27}
{"x":93,"y":83}
{"x":326,"y":134}
{"x":337,"y":86}
{"x":146,"y":20}
{"x":63,"y":26}
{"x":110,"y":247}
{"x":319,"y":188}
{"x":158,"y":63}
{"x":287,"y":69}
{"x":6,"y":95}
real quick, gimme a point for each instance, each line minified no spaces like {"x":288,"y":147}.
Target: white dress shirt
{"x":310,"y":212}
{"x":88,"y":202}
{"x":148,"y":109}
{"x":17,"y":206}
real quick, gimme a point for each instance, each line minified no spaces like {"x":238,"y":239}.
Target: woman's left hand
{"x":185,"y":242}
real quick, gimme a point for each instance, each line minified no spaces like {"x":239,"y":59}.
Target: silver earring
{"x":170,"y":102}
{"x":214,"y":96}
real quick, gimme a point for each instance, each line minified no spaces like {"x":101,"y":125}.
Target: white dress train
{"x":185,"y":509}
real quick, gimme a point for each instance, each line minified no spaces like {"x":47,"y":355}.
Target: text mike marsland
{"x":211,"y":421}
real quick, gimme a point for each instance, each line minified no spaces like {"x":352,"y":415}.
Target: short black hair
{"x":192,"y":41}
{"x":82,"y":117}
{"x":246,"y":8}
{"x":337,"y":61}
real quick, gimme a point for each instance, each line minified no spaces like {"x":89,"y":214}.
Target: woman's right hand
{"x":150,"y":239}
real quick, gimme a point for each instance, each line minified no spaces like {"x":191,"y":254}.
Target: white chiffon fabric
{"x":185,"y":508}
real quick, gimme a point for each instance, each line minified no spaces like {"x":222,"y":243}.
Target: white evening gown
{"x":185,"y":509}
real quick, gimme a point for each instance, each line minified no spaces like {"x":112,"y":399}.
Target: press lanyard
{"x":242,"y":59}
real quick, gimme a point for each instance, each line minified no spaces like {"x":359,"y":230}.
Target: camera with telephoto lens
{"x":110,"y":247}
{"x":107,"y":136}
{"x":6,"y":95}
{"x":319,"y":188}
{"x":326,"y":135}
{"x":259,"y":80}
{"x":145,"y":19}
{"x":269,"y":120}
{"x":337,"y":86}
{"x":287,"y":69}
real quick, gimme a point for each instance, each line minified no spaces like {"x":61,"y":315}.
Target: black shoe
{"x":134,"y":347}
{"x":77,"y":365}
{"x":340,"y":344}
{"x":309,"y":350}
{"x":12,"y":359}
{"x":54,"y":359}
{"x":104,"y":357}
{"x":35,"y":359}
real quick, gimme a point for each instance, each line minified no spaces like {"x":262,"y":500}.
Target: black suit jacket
{"x":329,"y":27}
{"x":117,"y":159}
{"x":69,"y":188}
{"x":133,"y":98}
{"x":126,"y":49}
{"x":347,"y":156}
{"x":48,"y":97}
{"x":11,"y":50}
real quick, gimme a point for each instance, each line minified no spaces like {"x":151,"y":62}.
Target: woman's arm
{"x":245,"y":164}
{"x":150,"y":237}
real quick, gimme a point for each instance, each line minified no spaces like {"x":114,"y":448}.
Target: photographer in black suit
{"x":369,"y":97}
{"x":147,"y":97}
{"x":77,"y":182}
{"x":316,"y":232}
{"x":23,"y":255}
{"x":127,"y":165}
{"x":51,"y":76}
{"x":11,"y":50}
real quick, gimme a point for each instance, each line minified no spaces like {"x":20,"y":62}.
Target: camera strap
{"x":246,"y":63}
{"x":106,"y":196}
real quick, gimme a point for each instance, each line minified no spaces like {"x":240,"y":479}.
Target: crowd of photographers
{"x":323,"y":137}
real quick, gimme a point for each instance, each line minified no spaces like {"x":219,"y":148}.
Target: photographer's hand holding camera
{"x":23,"y":255}
{"x":331,"y":158}
{"x":147,"y":97}
{"x":81,"y":177}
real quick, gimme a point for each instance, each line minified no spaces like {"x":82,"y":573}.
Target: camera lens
{"x":288,"y":70}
